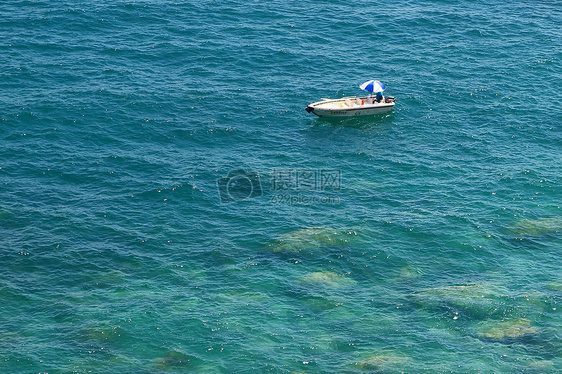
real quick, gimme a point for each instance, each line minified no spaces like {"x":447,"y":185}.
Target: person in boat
{"x":379,"y":97}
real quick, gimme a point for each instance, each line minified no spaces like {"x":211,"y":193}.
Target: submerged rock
{"x":540,"y":364}
{"x":555,"y":285}
{"x":409,"y":272}
{"x":478,"y":298}
{"x":382,"y":361}
{"x":535,"y":227}
{"x":175,"y":359}
{"x":327,"y":279}
{"x":311,"y":238}
{"x":505,"y":329}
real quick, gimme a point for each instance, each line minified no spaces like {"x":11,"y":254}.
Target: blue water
{"x":167,"y":205}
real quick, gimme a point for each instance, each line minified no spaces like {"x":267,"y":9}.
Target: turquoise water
{"x":427,"y":240}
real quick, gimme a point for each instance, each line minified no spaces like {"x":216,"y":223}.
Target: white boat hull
{"x":350,"y":107}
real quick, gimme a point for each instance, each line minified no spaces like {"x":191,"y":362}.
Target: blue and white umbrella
{"x":373,"y":86}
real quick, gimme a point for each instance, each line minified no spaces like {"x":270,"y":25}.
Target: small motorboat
{"x":353,"y":105}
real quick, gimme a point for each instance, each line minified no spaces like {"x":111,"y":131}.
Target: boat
{"x":353,"y":105}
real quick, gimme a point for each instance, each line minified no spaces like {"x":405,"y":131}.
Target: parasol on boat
{"x":373,"y":86}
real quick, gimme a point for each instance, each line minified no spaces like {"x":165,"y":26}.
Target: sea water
{"x":167,"y":205}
